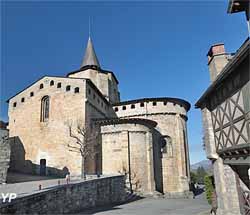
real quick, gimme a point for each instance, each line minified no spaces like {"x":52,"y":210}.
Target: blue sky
{"x":156,"y":49}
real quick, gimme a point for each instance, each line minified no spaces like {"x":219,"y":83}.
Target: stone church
{"x":146,"y":139}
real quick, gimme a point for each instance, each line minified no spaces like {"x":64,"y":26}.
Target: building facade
{"x":225,"y":107}
{"x":146,"y":139}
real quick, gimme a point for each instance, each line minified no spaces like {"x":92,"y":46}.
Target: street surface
{"x":161,"y":206}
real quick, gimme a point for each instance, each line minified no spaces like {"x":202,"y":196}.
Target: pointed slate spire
{"x":90,"y":58}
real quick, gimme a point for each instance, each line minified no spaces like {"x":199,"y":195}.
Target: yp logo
{"x":8,"y":197}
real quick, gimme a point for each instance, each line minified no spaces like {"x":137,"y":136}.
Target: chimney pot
{"x":217,"y":59}
{"x":216,"y":49}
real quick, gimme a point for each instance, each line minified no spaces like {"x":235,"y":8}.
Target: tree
{"x":85,"y":141}
{"x":200,"y":174}
{"x":193,"y":177}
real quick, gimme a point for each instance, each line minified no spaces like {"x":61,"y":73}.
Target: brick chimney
{"x":217,"y":60}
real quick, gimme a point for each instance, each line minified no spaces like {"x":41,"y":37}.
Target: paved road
{"x":150,"y":206}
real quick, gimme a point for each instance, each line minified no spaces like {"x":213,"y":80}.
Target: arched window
{"x":41,"y":86}
{"x":167,"y":147}
{"x":77,"y":90}
{"x":52,"y":83}
{"x":45,"y":108}
{"x":31,"y":94}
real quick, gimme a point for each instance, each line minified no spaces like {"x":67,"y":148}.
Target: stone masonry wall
{"x":4,"y":155}
{"x":171,"y":121}
{"x":70,"y":198}
{"x":48,"y":140}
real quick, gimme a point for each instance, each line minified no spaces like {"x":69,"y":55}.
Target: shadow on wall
{"x":157,"y":159}
{"x":18,"y":164}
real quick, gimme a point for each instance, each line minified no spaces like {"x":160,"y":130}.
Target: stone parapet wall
{"x":70,"y":198}
{"x":138,"y":108}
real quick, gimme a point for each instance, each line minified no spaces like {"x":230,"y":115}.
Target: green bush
{"x":209,"y":188}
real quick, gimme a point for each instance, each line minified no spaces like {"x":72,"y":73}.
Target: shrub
{"x":209,"y":188}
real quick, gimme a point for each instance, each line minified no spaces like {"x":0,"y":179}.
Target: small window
{"x":154,"y":103}
{"x":59,"y":85}
{"x":68,"y":88}
{"x":77,"y":90}
{"x":14,"y":104}
{"x":165,"y":103}
{"x":31,"y":94}
{"x":166,"y":146}
{"x":89,"y":91}
{"x":22,"y":100}
{"x":142,"y":104}
{"x":116,"y":109}
{"x":93,"y":96}
{"x":174,"y":104}
{"x":52,"y":83}
{"x":123,"y":107}
{"x":102,"y":104}
{"x":41,"y":86}
{"x":98,"y":100}
{"x":132,"y":106}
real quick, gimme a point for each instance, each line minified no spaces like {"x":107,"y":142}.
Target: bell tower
{"x":91,"y":69}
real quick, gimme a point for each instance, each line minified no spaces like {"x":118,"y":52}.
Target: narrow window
{"x":98,"y":100}
{"x":167,"y":147}
{"x":102,"y":104}
{"x":132,"y":106}
{"x":89,"y":91}
{"x":77,"y":90}
{"x":59,"y":85}
{"x":154,"y":103}
{"x":14,"y":104}
{"x":142,"y":104}
{"x":68,"y":88}
{"x":41,"y":86}
{"x":22,"y":100}
{"x":116,"y":109}
{"x":31,"y":94}
{"x":93,"y":96}
{"x":52,"y":83}
{"x":165,"y":103}
{"x":45,"y":108}
{"x":123,"y":107}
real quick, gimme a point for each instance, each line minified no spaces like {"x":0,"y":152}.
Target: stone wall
{"x":49,"y":139}
{"x":4,"y":155}
{"x":104,"y":81}
{"x":129,"y":149}
{"x":70,"y":198}
{"x":171,"y":119}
